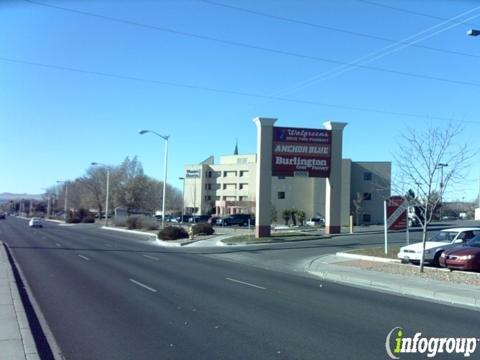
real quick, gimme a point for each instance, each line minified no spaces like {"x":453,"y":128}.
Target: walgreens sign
{"x":301,"y":152}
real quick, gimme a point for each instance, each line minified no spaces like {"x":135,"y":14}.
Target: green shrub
{"x":301,"y":216}
{"x":73,"y":219}
{"x":202,"y":228}
{"x":149,"y":223}
{"x":286,"y":214}
{"x":293,"y":214}
{"x":80,"y":216}
{"x":88,"y":219}
{"x":173,"y":233}
{"x":134,"y":222}
{"x":120,"y":221}
{"x":152,"y":226}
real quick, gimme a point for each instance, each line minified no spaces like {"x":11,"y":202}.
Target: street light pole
{"x":48,"y":202}
{"x":441,"y":166}
{"x":107,"y":190}
{"x":183,"y":197}
{"x":165,"y":167}
{"x":66,"y":197}
{"x":164,"y":181}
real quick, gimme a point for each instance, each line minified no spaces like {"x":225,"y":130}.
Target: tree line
{"x":129,"y":188}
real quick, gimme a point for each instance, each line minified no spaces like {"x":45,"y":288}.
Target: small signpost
{"x":395,"y":213}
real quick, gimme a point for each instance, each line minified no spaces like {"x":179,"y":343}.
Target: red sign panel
{"x":301,"y":152}
{"x":397,"y":213}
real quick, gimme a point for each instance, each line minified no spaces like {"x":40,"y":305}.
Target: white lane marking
{"x":245,"y":283}
{"x":59,"y":245}
{"x":84,"y":257}
{"x":142,"y":285}
{"x":151,"y":257}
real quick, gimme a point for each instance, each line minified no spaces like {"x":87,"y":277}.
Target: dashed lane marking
{"x":142,"y":285}
{"x":246,"y":283}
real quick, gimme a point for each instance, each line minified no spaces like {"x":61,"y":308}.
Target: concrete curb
{"x":25,"y":340}
{"x":397,"y":261}
{"x":367,"y":258}
{"x":55,"y":221}
{"x":136,"y":232}
{"x":436,"y":296}
{"x":154,"y":237}
{"x":434,"y":291}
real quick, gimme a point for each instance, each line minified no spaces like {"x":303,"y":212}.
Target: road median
{"x":437,"y":285}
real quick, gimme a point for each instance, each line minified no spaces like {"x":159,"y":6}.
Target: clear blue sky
{"x":54,"y":122}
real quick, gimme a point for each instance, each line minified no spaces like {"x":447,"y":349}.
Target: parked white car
{"x":35,"y":222}
{"x":315,"y":221}
{"x":437,"y":244}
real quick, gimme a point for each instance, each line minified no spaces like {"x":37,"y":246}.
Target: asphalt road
{"x":108,"y":295}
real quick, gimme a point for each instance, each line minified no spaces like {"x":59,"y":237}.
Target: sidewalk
{"x":335,"y":268}
{"x":16,"y":341}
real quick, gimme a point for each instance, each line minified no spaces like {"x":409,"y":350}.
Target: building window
{"x":367,"y":196}
{"x":243,"y":198}
{"x":281,"y":195}
{"x":243,"y":186}
{"x":208,"y":174}
{"x":229,"y":173}
{"x":217,"y":174}
{"x":367,"y":176}
{"x":243,"y":172}
{"x":208,"y":198}
{"x":367,"y":218}
{"x":217,"y":197}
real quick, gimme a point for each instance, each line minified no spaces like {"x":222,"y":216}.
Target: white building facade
{"x":229,"y":187}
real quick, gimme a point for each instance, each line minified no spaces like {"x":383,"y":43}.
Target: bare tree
{"x":95,"y":181}
{"x":357,"y":202}
{"x":430,"y":161}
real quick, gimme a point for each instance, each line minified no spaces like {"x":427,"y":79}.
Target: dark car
{"x":238,"y":219}
{"x":199,"y":219}
{"x":214,"y":220}
{"x":464,"y":257}
{"x":3,"y":216}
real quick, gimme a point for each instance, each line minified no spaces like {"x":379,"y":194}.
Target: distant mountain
{"x":9,"y":196}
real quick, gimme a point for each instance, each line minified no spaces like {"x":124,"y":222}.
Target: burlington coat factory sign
{"x":301,"y":152}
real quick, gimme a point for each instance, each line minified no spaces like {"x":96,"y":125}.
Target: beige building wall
{"x":371,"y":183}
{"x":346,"y":191}
{"x":220,"y":184}
{"x":234,"y":178}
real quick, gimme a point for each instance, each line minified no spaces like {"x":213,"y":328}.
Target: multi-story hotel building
{"x":229,"y":187}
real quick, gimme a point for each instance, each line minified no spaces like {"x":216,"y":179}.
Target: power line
{"x":341,"y":69}
{"x":226,"y":91}
{"x":411,"y":12}
{"x":377,"y":54}
{"x":260,"y":48}
{"x":334,"y":29}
